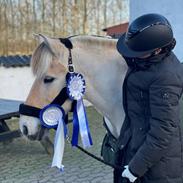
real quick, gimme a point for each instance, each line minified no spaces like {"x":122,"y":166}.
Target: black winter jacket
{"x":151,"y":133}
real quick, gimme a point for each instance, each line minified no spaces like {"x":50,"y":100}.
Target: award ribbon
{"x":75,"y":89}
{"x":52,"y":116}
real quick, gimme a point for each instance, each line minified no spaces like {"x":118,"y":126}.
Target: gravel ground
{"x":23,"y":161}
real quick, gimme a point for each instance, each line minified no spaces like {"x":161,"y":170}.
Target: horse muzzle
{"x":30,"y":127}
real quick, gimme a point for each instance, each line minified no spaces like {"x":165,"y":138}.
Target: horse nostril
{"x":25,"y":130}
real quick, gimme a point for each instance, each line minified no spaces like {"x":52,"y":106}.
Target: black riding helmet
{"x":145,"y":34}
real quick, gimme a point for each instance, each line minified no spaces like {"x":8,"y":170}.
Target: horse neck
{"x":104,"y":73}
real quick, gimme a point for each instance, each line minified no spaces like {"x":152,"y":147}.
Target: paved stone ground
{"x":26,"y":162}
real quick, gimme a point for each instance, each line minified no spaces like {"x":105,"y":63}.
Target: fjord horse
{"x":97,"y":59}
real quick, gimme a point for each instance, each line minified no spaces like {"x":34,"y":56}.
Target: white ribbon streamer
{"x":59,"y":146}
{"x":83,"y":124}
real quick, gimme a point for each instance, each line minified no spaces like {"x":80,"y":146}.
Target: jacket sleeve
{"x":164,"y":94}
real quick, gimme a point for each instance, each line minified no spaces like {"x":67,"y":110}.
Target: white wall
{"x":15,"y":83}
{"x":172,"y":10}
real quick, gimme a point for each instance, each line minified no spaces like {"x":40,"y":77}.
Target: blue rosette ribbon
{"x":75,"y":90}
{"x":52,"y":116}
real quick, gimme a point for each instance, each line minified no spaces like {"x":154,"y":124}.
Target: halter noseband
{"x":28,"y":110}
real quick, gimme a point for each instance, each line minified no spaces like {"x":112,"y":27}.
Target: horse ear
{"x":38,"y":38}
{"x":52,"y":44}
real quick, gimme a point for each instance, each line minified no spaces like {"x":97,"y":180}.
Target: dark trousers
{"x":117,"y":178}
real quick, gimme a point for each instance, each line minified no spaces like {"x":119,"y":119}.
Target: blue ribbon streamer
{"x":75,"y":132}
{"x":61,"y":131}
{"x":80,"y":124}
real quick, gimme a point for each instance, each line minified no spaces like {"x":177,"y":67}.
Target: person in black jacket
{"x":151,"y":139}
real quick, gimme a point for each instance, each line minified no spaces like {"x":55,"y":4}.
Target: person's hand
{"x":127,"y":174}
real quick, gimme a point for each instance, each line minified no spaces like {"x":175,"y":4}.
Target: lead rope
{"x":95,"y":157}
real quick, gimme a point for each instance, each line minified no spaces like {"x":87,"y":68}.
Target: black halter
{"x":28,"y":110}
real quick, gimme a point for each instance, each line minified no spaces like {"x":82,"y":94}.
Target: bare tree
{"x":84,"y":16}
{"x":75,"y":17}
{"x":105,"y":13}
{"x":19,"y":19}
{"x":53,"y":17}
{"x":6,"y":31}
{"x":34,"y":15}
{"x":1,"y":27}
{"x":43,"y":6}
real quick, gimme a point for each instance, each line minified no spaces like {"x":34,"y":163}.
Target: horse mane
{"x":42,"y":57}
{"x":95,"y":41}
{"x":41,"y":60}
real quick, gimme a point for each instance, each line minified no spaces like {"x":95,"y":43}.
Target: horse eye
{"x":48,"y":79}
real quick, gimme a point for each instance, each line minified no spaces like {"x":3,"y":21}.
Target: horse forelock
{"x":41,"y":60}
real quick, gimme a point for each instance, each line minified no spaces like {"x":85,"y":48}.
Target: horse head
{"x":49,"y":67}
{"x":96,"y":59}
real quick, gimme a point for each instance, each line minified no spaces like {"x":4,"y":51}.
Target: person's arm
{"x":164,"y":94}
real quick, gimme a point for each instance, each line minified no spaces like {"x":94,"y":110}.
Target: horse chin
{"x":32,"y":137}
{"x":32,"y":130}
{"x":42,"y":133}
{"x":39,"y":135}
